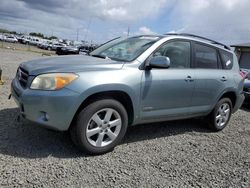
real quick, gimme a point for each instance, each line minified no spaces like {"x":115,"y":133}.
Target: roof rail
{"x":200,"y":37}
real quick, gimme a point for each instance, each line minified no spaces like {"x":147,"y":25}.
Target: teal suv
{"x":130,"y":81}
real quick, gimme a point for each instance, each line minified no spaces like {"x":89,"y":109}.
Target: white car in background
{"x":35,"y":41}
{"x":10,"y":39}
{"x":25,"y":39}
{"x":2,"y":37}
{"x":57,"y":45}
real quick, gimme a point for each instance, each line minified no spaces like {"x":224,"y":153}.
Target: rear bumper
{"x":239,"y":101}
{"x":50,"y":109}
{"x":247,"y":97}
{"x":246,"y":90}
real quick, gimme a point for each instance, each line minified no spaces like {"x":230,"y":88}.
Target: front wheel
{"x":100,"y":126}
{"x":220,"y":116}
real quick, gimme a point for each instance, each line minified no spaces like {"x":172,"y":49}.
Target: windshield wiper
{"x":100,"y":56}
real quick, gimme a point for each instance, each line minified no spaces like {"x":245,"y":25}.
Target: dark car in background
{"x":245,"y":71}
{"x":246,"y":88}
{"x":71,"y":50}
{"x":68,"y":50}
{"x":243,"y":54}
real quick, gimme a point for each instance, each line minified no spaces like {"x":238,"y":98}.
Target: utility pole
{"x":87,"y":30}
{"x":77,"y":34}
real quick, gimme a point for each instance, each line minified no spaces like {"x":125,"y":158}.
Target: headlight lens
{"x":52,"y":81}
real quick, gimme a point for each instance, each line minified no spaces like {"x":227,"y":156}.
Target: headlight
{"x":52,"y":81}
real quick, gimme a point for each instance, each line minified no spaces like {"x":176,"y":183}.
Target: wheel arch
{"x":121,"y":96}
{"x":231,"y":95}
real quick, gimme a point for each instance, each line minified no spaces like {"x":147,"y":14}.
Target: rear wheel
{"x":100,"y":126}
{"x":220,"y":116}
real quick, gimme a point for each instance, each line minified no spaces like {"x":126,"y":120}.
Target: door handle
{"x":223,"y":79}
{"x":189,"y":79}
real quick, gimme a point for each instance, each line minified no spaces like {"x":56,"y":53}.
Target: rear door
{"x":211,"y":78}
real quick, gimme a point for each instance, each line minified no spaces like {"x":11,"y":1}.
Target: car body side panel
{"x":155,"y":96}
{"x":166,"y":92}
{"x":208,"y":87}
{"x":63,"y":104}
{"x":126,"y":80}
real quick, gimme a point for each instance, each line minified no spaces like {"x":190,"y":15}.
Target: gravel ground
{"x":24,"y":47}
{"x":170,"y":154}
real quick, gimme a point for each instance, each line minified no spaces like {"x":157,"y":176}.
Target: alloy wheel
{"x":103,"y":127}
{"x":223,"y":115}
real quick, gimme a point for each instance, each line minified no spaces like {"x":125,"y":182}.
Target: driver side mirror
{"x":159,"y":62}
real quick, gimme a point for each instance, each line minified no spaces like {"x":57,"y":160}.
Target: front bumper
{"x":51,"y":109}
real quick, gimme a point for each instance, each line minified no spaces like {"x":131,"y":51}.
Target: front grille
{"x":22,"y":76}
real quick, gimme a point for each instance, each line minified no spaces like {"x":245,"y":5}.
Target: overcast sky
{"x":99,"y":20}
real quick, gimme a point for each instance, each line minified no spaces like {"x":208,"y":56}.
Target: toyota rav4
{"x":130,"y":81}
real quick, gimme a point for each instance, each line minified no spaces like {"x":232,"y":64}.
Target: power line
{"x":89,"y":23}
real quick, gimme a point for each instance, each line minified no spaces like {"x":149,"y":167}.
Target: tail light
{"x":243,"y":73}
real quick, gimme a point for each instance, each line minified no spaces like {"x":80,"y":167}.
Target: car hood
{"x":72,"y":63}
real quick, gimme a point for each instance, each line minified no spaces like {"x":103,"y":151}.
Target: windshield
{"x":125,"y":49}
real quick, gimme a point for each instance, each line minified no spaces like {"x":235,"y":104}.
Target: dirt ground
{"x":169,"y":154}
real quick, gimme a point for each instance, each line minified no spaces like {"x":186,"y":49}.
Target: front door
{"x":168,"y":92}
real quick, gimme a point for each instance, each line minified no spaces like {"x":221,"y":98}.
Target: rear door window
{"x":205,"y":57}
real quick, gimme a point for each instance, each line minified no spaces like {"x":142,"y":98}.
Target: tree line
{"x":34,"y":34}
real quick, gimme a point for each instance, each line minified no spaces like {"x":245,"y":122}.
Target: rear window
{"x":227,"y":59}
{"x":205,"y":57}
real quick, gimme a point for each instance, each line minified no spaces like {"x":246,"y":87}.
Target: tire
{"x":221,"y":114}
{"x":94,"y":134}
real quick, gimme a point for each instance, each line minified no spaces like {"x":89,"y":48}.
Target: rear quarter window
{"x":226,"y":59}
{"x":245,"y":60}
